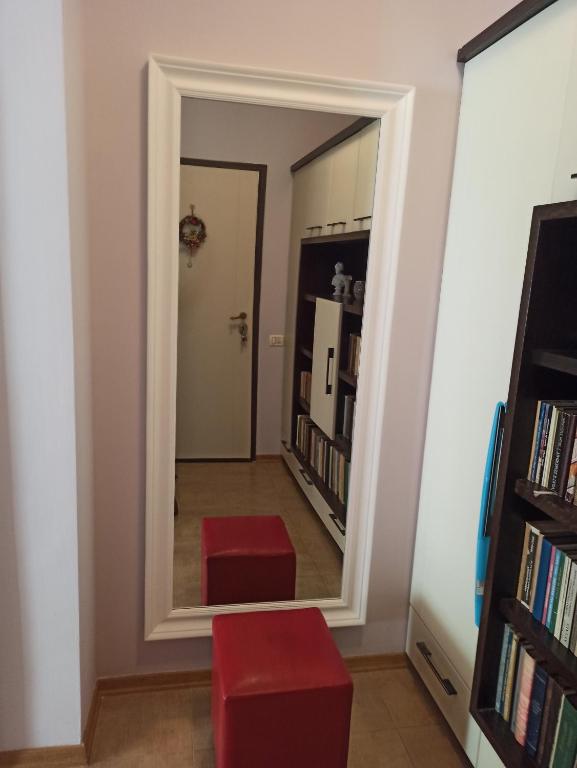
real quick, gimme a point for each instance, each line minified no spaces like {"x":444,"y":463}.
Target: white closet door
{"x":511,"y":113}
{"x":343,"y":161}
{"x":564,"y":187}
{"x":317,"y":179}
{"x":328,"y":315}
{"x":366,"y":170}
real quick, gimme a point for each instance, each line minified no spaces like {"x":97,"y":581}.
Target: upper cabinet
{"x":339,"y":185}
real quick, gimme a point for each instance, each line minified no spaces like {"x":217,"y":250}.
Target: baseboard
{"x":376,"y":662}
{"x":75,"y":755}
{"x":50,"y":757}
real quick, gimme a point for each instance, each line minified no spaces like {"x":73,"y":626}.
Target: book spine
{"x":569,"y":606}
{"x":523,"y":567}
{"x":517,"y":686}
{"x":550,"y":447}
{"x":529,"y":563}
{"x":536,"y":437}
{"x":555,"y":477}
{"x":562,"y":597}
{"x":565,"y":747}
{"x":536,"y":710}
{"x":567,"y":454}
{"x":554,"y":590}
{"x":511,"y":677}
{"x":541,"y":581}
{"x":572,"y":477}
{"x":526,"y":673}
{"x":545,"y":720}
{"x":543,"y":442}
{"x":547,"y":600}
{"x":505,"y":655}
{"x":535,"y":573}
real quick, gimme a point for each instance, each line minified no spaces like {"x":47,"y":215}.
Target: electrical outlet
{"x":276,"y":340}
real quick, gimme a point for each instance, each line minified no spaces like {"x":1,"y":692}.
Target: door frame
{"x":170,"y":80}
{"x":261,"y":169}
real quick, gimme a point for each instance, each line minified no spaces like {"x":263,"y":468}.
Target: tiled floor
{"x":394,"y":724}
{"x":250,"y":488}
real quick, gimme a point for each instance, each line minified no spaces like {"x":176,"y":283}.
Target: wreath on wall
{"x":191,"y":233}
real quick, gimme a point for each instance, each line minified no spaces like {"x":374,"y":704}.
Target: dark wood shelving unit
{"x":303,"y":405}
{"x":544,"y":368}
{"x":318,"y":257}
{"x":348,"y":378}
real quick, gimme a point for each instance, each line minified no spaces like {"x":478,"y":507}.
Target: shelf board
{"x":348,"y":378}
{"x":553,"y":506}
{"x":306,"y":352}
{"x":500,"y":736}
{"x":354,"y":308}
{"x":303,"y":404}
{"x":342,"y":237}
{"x":559,"y":659}
{"x":331,"y":498}
{"x":556,"y":360}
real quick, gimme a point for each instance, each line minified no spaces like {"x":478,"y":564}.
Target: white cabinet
{"x":328,"y":315}
{"x":565,"y":187}
{"x":487,"y":756}
{"x":506,"y":160}
{"x":316,"y":195}
{"x":343,"y":161}
{"x":365,"y":177}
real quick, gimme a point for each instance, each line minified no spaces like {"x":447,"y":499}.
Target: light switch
{"x":276,"y":340}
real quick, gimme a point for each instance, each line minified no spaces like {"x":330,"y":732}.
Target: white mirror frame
{"x":170,"y":80}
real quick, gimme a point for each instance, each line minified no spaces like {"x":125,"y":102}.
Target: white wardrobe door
{"x":511,"y":111}
{"x":343,"y":161}
{"x":328,"y":316}
{"x":564,"y":187}
{"x":366,"y":171}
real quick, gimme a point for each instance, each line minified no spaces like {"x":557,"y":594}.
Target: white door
{"x":214,"y":364}
{"x":325,"y":368}
{"x":505,"y":163}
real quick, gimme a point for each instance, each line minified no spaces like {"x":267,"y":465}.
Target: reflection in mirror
{"x":275,"y":212}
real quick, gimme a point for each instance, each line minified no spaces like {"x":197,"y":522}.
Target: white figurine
{"x":340,"y":282}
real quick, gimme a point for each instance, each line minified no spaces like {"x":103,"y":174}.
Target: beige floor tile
{"x":380,"y":749}
{"x":408,"y":702}
{"x":370,"y":712}
{"x":430,"y":746}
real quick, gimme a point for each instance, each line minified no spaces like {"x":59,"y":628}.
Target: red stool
{"x":281,"y":695}
{"x":246,"y":559}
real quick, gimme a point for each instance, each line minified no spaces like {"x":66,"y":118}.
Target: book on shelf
{"x":547,"y":580}
{"x":354,"y":353}
{"x":543,"y":712}
{"x":305,"y":386}
{"x":553,"y":459}
{"x":325,"y":458}
{"x":349,"y":416}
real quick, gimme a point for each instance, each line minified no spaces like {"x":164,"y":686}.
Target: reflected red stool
{"x":246,"y":559}
{"x":281,"y":694}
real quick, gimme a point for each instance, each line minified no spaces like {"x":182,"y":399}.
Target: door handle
{"x":329,"y":374}
{"x":242,"y":316}
{"x":445,"y":683}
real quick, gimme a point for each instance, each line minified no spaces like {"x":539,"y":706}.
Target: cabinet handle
{"x":329,"y":374}
{"x":574,"y":175}
{"x":306,"y":478}
{"x":286,"y":446}
{"x":446,"y":684}
{"x":338,"y":523}
{"x":362,"y":218}
{"x":333,"y":223}
{"x":315,"y":226}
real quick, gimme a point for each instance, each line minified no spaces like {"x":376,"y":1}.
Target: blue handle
{"x":487,"y":501}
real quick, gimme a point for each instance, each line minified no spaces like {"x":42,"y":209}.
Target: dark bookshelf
{"x":303,"y":405}
{"x":543,"y":368}
{"x":316,"y":270}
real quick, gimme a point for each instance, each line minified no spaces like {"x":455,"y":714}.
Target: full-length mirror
{"x":275,"y":212}
{"x":275,"y":208}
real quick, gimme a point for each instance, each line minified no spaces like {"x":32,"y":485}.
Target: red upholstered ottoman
{"x":281,"y":695}
{"x":246,"y":559}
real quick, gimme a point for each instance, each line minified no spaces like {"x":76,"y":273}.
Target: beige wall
{"x":411,"y":42}
{"x":216,"y":130}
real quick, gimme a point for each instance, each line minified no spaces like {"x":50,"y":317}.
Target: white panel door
{"x":343,"y":161}
{"x":564,"y":187}
{"x":366,"y":169}
{"x":317,"y":179}
{"x":214,"y":366}
{"x":511,"y":113}
{"x":328,"y":315}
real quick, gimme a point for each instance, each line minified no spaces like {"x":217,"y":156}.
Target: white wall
{"x":411,"y":42}
{"x":217,"y":130}
{"x":39,"y":657}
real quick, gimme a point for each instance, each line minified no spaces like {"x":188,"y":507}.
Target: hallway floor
{"x":395,"y":724}
{"x":262,"y":487}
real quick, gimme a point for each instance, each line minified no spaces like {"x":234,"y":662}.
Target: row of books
{"x":553,"y":462}
{"x":305,"y":386}
{"x":349,"y":416}
{"x":325,"y":458}
{"x":354,"y":353}
{"x":541,"y":708}
{"x":547,"y":583}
